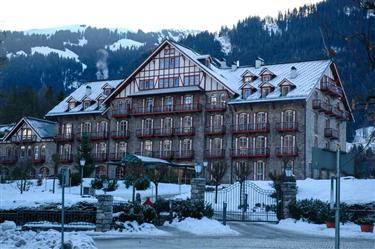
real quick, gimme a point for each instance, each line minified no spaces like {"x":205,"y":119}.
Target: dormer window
{"x":285,"y":90}
{"x":266,"y":77}
{"x":86,"y":104}
{"x":247,"y":79}
{"x":246,"y":92}
{"x":265,"y":91}
{"x":107,"y":91}
{"x":286,"y":86}
{"x":71,"y":105}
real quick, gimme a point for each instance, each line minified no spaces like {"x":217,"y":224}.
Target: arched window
{"x":242,"y":121}
{"x":123,"y":126}
{"x":261,"y":118}
{"x":120,"y":172}
{"x":147,"y":148}
{"x":187,"y":124}
{"x":44,"y":171}
{"x":102,"y":148}
{"x":261,"y":145}
{"x":243,"y":143}
{"x":103,"y":127}
{"x":187,"y":144}
{"x":167,"y":145}
{"x":289,"y":116}
{"x":167,"y":124}
{"x":86,"y":127}
{"x":148,"y":126}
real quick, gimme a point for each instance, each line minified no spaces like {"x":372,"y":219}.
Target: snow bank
{"x":12,"y":238}
{"x":125,"y":43}
{"x":202,"y":227}
{"x":130,"y":228}
{"x":347,"y":230}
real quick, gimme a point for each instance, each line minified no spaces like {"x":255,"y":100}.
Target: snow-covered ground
{"x":347,"y":230}
{"x":10,"y":197}
{"x":125,"y":43}
{"x":202,"y":227}
{"x":11,"y":237}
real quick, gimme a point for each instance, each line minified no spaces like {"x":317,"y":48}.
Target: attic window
{"x":265,"y":91}
{"x":169,"y":51}
{"x":247,"y":78}
{"x":72,"y":105}
{"x":266,"y":77}
{"x":107,"y":90}
{"x":86,"y":104}
{"x":246,"y":92}
{"x":285,"y":90}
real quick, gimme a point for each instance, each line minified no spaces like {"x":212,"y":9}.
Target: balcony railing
{"x":183,"y":155}
{"x":322,"y":106}
{"x":99,"y":157}
{"x":66,"y":158}
{"x":117,"y":156}
{"x":166,"y":109}
{"x":216,"y":107}
{"x":250,"y":152}
{"x":93,"y":136}
{"x":120,"y":113}
{"x":120,"y":135}
{"x":251,"y":128}
{"x":331,"y":88}
{"x":184,"y":131}
{"x":38,"y":160}
{"x":214,"y":153}
{"x":286,"y":151}
{"x":8,"y":159}
{"x":24,"y":139}
{"x":145,"y":133}
{"x":145,"y":153}
{"x":65,"y":137}
{"x":344,"y":115}
{"x":331,"y":133}
{"x":286,"y":126}
{"x":164,"y":154}
{"x":215,"y":130}
{"x":163,"y":132}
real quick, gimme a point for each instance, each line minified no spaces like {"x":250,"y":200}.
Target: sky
{"x":148,"y":15}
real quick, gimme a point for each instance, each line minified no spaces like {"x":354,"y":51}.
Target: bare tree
{"x":217,"y":171}
{"x":242,"y":172}
{"x":21,"y":173}
{"x":156,"y":174}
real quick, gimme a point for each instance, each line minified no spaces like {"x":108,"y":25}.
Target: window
{"x":167,"y":145}
{"x":122,"y":148}
{"x":103,"y":127}
{"x":265,"y":91}
{"x":285,"y":90}
{"x":169,"y":51}
{"x":26,"y":133}
{"x":102,"y":148}
{"x":217,"y":121}
{"x":213,"y":99}
{"x":259,"y":170}
{"x":123,"y":126}
{"x":288,"y":144}
{"x":23,"y":152}
{"x":261,"y":120}
{"x":43,"y":150}
{"x":120,"y":172}
{"x":147,"y":148}
{"x":168,"y":82}
{"x":261,"y":142}
{"x":67,"y":129}
{"x":266,"y":77}
{"x":242,"y":143}
{"x":167,"y":124}
{"x":86,"y":104}
{"x":86,"y":127}
{"x":146,"y":84}
{"x":120,"y":105}
{"x":242,"y":120}
{"x":191,"y":80}
{"x":71,"y":105}
{"x":188,"y":102}
{"x":217,"y":144}
{"x":168,"y":103}
{"x":169,"y":62}
{"x":187,"y":122}
{"x":149,"y":104}
{"x":328,"y":123}
{"x":29,"y":151}
{"x":66,"y":150}
{"x":36,"y":152}
{"x":316,"y":121}
{"x":187,"y":144}
{"x":148,"y":126}
{"x":107,"y":91}
{"x":223,"y":98}
{"x":246,"y":92}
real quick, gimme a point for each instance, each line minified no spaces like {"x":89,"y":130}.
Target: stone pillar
{"x":289,"y":195}
{"x":104,"y":211}
{"x":198,"y":186}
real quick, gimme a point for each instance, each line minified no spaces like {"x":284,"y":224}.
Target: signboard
{"x":326,"y":160}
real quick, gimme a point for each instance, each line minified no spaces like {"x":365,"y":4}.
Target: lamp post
{"x":105,"y":186}
{"x":82,"y":163}
{"x":198,"y":169}
{"x":288,"y":171}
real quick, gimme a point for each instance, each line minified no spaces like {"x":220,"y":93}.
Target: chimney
{"x":259,"y":62}
{"x":293,"y":72}
{"x":235,"y":65}
{"x":88,"y":91}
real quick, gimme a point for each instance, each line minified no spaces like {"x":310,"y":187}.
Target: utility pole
{"x":337,"y":213}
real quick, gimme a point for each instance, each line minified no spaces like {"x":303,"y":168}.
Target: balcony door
{"x":122,"y":127}
{"x":187,"y":124}
{"x":242,"y":121}
{"x":148,"y":126}
{"x":168,"y":104}
{"x":261,"y":120}
{"x":186,"y":148}
{"x":242,"y":145}
{"x":149,"y":105}
{"x":167,"y":125}
{"x":147,"y":148}
{"x":288,"y":144}
{"x":261,"y":145}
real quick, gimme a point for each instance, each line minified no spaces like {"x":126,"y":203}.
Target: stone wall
{"x":198,"y":186}
{"x":289,"y":193}
{"x":104,"y":213}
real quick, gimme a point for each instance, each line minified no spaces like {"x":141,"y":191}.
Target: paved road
{"x":253,"y":235}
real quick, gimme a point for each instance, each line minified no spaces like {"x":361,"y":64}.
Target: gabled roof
{"x":286,"y":82}
{"x":61,"y":109}
{"x":4,"y":129}
{"x":266,"y":84}
{"x":42,"y":128}
{"x":247,"y":72}
{"x":266,"y":71}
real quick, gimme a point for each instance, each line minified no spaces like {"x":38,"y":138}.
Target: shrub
{"x":142,"y":183}
{"x":97,"y":183}
{"x":366,"y":220}
{"x":75,"y":179}
{"x":129,"y":180}
{"x":112,"y":185}
{"x":136,"y":212}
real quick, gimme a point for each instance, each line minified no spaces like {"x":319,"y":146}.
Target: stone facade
{"x":198,"y":186}
{"x":289,"y":196}
{"x":104,"y":211}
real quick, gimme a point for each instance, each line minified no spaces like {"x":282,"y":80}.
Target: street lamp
{"x":198,"y":168}
{"x":82,"y":162}
{"x":105,"y":186}
{"x":288,"y":171}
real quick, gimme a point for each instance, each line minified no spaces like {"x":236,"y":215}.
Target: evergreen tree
{"x":84,"y":151}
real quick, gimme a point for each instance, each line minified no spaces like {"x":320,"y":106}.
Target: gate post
{"x":104,"y":211}
{"x":289,"y":196}
{"x":198,"y":186}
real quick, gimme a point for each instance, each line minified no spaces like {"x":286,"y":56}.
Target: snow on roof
{"x":78,"y":94}
{"x":309,"y":73}
{"x":125,"y":43}
{"x":44,"y":128}
{"x":167,"y":90}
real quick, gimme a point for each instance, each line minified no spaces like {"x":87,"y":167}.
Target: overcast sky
{"x":148,"y":15}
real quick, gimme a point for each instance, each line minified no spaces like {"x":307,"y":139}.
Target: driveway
{"x":253,"y":235}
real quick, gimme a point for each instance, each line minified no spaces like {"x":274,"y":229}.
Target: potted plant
{"x":329,"y":219}
{"x":366,"y":223}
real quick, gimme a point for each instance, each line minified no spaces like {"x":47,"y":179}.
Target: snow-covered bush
{"x":142,"y":183}
{"x":136,"y":212}
{"x":186,"y":208}
{"x":97,"y":183}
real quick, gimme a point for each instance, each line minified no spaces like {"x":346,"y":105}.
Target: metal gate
{"x":243,"y":202}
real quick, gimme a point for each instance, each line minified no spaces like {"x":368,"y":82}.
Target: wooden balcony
{"x":216,"y":107}
{"x":66,"y":137}
{"x":287,"y":126}
{"x":184,"y":131}
{"x":166,"y":109}
{"x":117,"y":156}
{"x":331,"y":133}
{"x":251,"y":153}
{"x":251,"y":128}
{"x":163,"y":132}
{"x":322,"y":107}
{"x":8,"y":159}
{"x":24,"y":139}
{"x":286,"y":151}
{"x":120,"y":113}
{"x":93,"y":136}
{"x":331,"y":88}
{"x":183,"y":155}
{"x":120,"y":135}
{"x":41,"y":159}
{"x":344,"y":115}
{"x":145,"y":133}
{"x":215,"y":153}
{"x":66,"y":158}
{"x":214,"y":130}
{"x":164,"y":154}
{"x":99,"y":157}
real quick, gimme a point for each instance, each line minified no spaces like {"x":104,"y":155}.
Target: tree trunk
{"x":133,"y":194}
{"x":53,"y":184}
{"x":216,"y":187}
{"x":156,"y":191}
